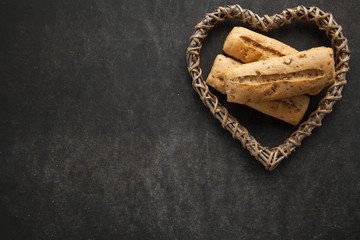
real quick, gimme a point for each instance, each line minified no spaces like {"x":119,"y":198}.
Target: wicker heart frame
{"x":270,"y":158}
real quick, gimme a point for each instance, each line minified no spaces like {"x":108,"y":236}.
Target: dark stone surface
{"x":103,"y":137}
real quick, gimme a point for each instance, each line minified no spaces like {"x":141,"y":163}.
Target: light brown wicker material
{"x":270,"y":158}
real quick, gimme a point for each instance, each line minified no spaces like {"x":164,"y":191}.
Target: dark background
{"x":103,"y":137}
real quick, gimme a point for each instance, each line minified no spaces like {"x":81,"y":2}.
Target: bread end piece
{"x":220,"y":66}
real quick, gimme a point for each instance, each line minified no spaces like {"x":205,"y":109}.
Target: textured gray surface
{"x":103,"y":137}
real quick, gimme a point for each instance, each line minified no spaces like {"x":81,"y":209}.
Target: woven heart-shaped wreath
{"x":270,"y":158}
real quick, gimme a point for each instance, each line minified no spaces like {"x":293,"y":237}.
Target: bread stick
{"x":281,"y":77}
{"x":248,"y":46}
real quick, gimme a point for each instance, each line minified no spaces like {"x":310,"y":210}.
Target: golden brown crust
{"x":290,"y":110}
{"x":281,"y":77}
{"x":248,"y":46}
{"x":221,"y":65}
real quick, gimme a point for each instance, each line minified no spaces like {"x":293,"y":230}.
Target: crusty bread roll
{"x":248,"y":46}
{"x":281,"y":77}
{"x":290,"y":110}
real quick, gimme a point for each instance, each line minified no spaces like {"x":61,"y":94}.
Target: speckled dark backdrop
{"x":103,"y":137}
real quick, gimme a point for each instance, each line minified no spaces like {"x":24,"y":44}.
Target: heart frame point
{"x":270,"y":158}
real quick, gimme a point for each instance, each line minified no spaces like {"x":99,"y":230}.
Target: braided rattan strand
{"x":269,"y":158}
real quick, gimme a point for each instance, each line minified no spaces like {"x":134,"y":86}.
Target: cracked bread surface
{"x":281,"y":77}
{"x":249,"y":46}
